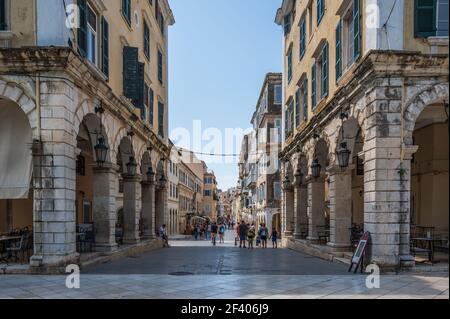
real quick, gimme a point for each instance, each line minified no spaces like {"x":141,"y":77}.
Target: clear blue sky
{"x":219,"y":54}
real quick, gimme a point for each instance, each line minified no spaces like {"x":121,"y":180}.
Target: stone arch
{"x":350,"y":132}
{"x":15,"y":93}
{"x":124,"y":151}
{"x":415,"y":106}
{"x":146,"y":162}
{"x":84,"y":108}
{"x":90,"y":125}
{"x":117,"y":138}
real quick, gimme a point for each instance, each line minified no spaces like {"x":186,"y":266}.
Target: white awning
{"x":15,"y":152}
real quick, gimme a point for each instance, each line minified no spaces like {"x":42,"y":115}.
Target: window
{"x":151,"y":98}
{"x":297,"y":107}
{"x":146,"y":40}
{"x":207,"y":193}
{"x":3,"y":16}
{"x":278,"y":94}
{"x":277,"y":190}
{"x":277,"y":137}
{"x":320,"y":10}
{"x":105,"y":47}
{"x":302,"y":37}
{"x":160,"y":67}
{"x":348,"y":38}
{"x":320,"y":76}
{"x":160,"y":119}
{"x":310,"y":18}
{"x":304,"y":89}
{"x":287,"y":24}
{"x":126,"y":10}
{"x":289,"y":62}
{"x":431,"y":18}
{"x":301,"y":103}
{"x":91,"y":51}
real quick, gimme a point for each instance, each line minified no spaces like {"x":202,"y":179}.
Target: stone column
{"x":386,"y":178}
{"x":161,"y":207}
{"x":340,"y":207}
{"x":104,"y":208}
{"x":148,"y":208}
{"x":288,"y":209}
{"x":316,"y":206}
{"x":131,"y":208}
{"x":54,"y":214}
{"x":301,"y":206}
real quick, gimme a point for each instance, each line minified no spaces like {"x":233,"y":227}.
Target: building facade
{"x":365,"y":84}
{"x":190,"y":187}
{"x":172,"y":219}
{"x":84,"y":91}
{"x":210,"y":196}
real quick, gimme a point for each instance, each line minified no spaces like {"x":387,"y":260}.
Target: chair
{"x":119,"y":235}
{"x":304,"y":230}
{"x":85,"y":238}
{"x":17,"y":248}
{"x":324,"y":234}
{"x":422,"y":241}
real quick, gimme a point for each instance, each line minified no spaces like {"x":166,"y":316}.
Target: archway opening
{"x":429,"y":208}
{"x":16,"y":190}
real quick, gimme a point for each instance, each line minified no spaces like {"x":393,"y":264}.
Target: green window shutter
{"x":133,"y":76}
{"x":290,"y":65}
{"x":160,"y":67}
{"x":291,"y":112}
{"x":151,"y":107}
{"x":82,"y":30}
{"x":425,"y":18}
{"x":105,"y":47}
{"x":357,"y":29}
{"x":3,"y":25}
{"x":286,"y":122}
{"x":160,"y":119}
{"x":320,"y":10}
{"x":338,"y":51}
{"x":146,"y":40}
{"x":302,"y":38}
{"x":305,"y":100}
{"x":313,"y":86}
{"x":325,"y":70}
{"x":126,"y":10}
{"x":297,"y":108}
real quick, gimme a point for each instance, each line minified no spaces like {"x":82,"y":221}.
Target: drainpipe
{"x":38,"y":104}
{"x":402,"y":121}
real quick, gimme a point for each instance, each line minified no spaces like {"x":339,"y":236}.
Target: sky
{"x":219,"y":54}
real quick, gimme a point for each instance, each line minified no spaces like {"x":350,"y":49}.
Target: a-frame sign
{"x":358,"y":256}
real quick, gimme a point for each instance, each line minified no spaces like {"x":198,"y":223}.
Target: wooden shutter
{"x":297,"y":108}
{"x":130,"y":73}
{"x":139,"y":103}
{"x":425,"y":18}
{"x":82,"y":30}
{"x":151,"y":107}
{"x":302,"y":38}
{"x":160,"y":67}
{"x":325,"y":70}
{"x":105,"y":47}
{"x":313,"y":85}
{"x":338,"y":50}
{"x":146,"y":40}
{"x":357,"y":29}
{"x":320,"y":10}
{"x":305,"y":99}
{"x":3,"y":25}
{"x":160,"y":119}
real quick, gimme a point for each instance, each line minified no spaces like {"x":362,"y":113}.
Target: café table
{"x":4,"y":240}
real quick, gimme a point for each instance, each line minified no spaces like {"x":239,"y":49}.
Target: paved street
{"x":196,"y":270}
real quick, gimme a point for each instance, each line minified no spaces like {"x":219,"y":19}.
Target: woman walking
{"x":251,"y":236}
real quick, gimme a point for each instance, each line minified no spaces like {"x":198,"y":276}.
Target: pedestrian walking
{"x":263,"y":233}
{"x":274,"y":237}
{"x":251,"y":236}
{"x":221,"y":234}
{"x":242,"y":230}
{"x":196,"y":232}
{"x":163,"y":235}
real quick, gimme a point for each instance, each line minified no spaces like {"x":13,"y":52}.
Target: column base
{"x":51,"y":261}
{"x":131,"y":241}
{"x":336,"y":247}
{"x":148,"y":236}
{"x":298,"y":236}
{"x":313,"y":240}
{"x":407,"y":262}
{"x":105,"y":248}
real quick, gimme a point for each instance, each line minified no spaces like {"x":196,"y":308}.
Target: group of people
{"x":211,"y":231}
{"x":246,"y":233}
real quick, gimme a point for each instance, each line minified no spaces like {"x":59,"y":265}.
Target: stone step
{"x":343,"y":260}
{"x":348,"y":255}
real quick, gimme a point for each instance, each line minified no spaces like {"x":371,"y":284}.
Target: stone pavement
{"x":197,"y":270}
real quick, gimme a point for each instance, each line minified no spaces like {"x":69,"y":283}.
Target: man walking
{"x":243,"y":229}
{"x":263,"y":233}
{"x":163,"y":234}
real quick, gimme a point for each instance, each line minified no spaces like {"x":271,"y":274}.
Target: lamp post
{"x":150,"y":174}
{"x":101,"y":149}
{"x":316,"y":168}
{"x":131,"y":166}
{"x":343,"y":155}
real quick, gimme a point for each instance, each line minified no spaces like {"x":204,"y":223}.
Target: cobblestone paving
{"x":196,"y":270}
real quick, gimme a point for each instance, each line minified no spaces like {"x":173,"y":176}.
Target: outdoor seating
{"x":323,"y":233}
{"x":422,"y":241}
{"x":119,"y":235}
{"x":304,"y":231}
{"x":356,"y":232}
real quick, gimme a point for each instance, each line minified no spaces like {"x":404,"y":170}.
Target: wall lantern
{"x":299,"y":176}
{"x":163,"y":181}
{"x":101,"y":150}
{"x":343,"y":155}
{"x":150,"y":174}
{"x":315,"y":168}
{"x":131,"y":166}
{"x":286,"y":182}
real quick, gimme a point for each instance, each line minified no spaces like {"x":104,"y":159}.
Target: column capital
{"x":106,"y":168}
{"x":147,"y":183}
{"x":408,"y":151}
{"x":337,"y":170}
{"x":130,"y":178}
{"x":311,"y":180}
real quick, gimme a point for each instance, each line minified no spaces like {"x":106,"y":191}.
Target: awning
{"x":15,"y":152}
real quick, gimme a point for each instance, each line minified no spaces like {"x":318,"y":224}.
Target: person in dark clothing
{"x":274,"y":237}
{"x":243,"y":229}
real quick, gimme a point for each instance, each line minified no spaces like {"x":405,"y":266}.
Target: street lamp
{"x":163,"y":181}
{"x":299,"y":176}
{"x":286,"y":182}
{"x":101,"y":150}
{"x":131,"y":166}
{"x":343,"y":155}
{"x":150,"y":174}
{"x":315,"y":168}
